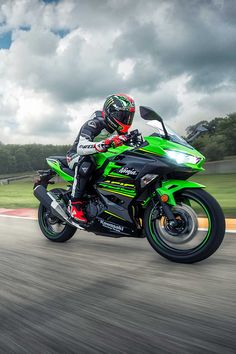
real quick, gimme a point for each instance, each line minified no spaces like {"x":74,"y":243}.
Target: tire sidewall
{"x":63,"y":236}
{"x":215,"y":237}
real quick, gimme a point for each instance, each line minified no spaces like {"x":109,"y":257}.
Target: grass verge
{"x":20,"y":195}
{"x":222,"y":187}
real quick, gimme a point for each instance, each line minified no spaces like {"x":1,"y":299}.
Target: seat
{"x":64,"y":166}
{"x":62,"y":160}
{"x":68,"y":171}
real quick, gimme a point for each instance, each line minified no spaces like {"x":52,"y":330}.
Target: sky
{"x":59,"y":60}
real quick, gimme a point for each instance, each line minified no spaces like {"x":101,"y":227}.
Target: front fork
{"x":166,"y":195}
{"x":167,"y":209}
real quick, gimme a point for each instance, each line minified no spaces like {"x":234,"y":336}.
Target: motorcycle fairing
{"x":173,"y":186}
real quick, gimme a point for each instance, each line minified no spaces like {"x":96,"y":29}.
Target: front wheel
{"x":200,"y":229}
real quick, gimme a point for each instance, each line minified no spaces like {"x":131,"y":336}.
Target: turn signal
{"x":164,"y":198}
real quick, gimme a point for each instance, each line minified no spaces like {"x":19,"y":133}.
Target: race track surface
{"x":100,"y":295}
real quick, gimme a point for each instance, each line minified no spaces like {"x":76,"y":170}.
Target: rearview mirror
{"x":196,"y":133}
{"x":149,"y":114}
{"x":201,"y":129}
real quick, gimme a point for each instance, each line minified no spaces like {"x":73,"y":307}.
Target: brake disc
{"x":182,"y":234}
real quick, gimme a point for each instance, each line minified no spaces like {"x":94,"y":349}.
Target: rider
{"x":117,"y":116}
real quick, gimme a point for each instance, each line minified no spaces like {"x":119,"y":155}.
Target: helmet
{"x":119,"y":112}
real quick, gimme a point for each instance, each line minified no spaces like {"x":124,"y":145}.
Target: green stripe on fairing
{"x":117,"y":175}
{"x":101,"y":157}
{"x":116,"y":216}
{"x":120,"y":189}
{"x":116,"y":192}
{"x":129,"y":189}
{"x":150,"y":152}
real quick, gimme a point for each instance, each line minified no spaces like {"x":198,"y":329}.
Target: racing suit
{"x":89,"y":141}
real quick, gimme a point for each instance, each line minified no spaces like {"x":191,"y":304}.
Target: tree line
{"x":31,"y":157}
{"x":219,"y":141}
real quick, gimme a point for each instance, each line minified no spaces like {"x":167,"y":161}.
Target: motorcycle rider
{"x":117,"y":116}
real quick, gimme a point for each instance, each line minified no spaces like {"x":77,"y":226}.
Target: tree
{"x":220,"y":140}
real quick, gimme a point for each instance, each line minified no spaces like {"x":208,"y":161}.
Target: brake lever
{"x":133,"y":134}
{"x":134,"y":137}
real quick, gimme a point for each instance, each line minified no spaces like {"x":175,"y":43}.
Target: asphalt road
{"x":99,"y":295}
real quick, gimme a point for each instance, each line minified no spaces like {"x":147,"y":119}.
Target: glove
{"x":101,"y":146}
{"x":116,"y":141}
{"x":123,"y":138}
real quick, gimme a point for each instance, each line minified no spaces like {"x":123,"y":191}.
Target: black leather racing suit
{"x":89,"y":141}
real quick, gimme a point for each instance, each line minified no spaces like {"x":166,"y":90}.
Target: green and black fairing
{"x":140,"y":190}
{"x":128,"y":177}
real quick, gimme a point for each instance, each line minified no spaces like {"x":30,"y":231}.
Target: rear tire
{"x":65,"y":231}
{"x":207,"y":247}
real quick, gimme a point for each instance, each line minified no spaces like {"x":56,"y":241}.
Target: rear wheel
{"x":200,"y":229}
{"x":53,"y":228}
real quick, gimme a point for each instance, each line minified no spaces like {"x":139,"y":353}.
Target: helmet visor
{"x":123,"y":117}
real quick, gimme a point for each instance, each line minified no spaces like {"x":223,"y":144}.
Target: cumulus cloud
{"x":66,"y":56}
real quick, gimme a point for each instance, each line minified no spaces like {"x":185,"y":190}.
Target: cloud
{"x":66,"y":56}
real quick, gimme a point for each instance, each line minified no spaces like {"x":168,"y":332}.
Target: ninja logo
{"x":128,"y":171}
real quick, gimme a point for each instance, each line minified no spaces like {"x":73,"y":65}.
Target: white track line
{"x":29,"y":218}
{"x":17,"y":217}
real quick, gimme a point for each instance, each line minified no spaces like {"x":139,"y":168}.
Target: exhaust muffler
{"x":49,"y":201}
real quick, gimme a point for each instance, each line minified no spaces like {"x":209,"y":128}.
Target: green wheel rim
{"x":163,"y":245}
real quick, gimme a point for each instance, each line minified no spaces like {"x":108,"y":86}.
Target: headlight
{"x":181,"y":157}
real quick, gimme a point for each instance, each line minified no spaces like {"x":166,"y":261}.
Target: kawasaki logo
{"x":110,"y":226}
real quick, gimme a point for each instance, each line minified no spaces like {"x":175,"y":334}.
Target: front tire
{"x":53,"y":228}
{"x":176,"y":251}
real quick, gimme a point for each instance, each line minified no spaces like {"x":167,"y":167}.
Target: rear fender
{"x":44,"y":178}
{"x":173,"y":186}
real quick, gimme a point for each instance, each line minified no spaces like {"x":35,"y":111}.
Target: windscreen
{"x":174,"y":137}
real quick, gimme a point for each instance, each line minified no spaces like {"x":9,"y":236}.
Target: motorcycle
{"x":140,"y":189}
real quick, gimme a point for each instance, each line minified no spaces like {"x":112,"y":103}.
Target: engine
{"x":94,"y":208}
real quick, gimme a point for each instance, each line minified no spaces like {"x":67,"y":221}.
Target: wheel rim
{"x":52,"y":225}
{"x":195,"y":232}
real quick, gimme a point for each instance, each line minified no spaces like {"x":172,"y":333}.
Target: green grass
{"x":222,"y":187}
{"x":20,"y":195}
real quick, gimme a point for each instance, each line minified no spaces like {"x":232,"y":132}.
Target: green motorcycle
{"x":140,"y":189}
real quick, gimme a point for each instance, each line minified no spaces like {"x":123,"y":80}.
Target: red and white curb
{"x":23,"y":213}
{"x":32,"y":214}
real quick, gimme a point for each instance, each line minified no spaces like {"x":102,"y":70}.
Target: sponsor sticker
{"x":110,"y":226}
{"x":92,"y":124}
{"x":84,"y":169}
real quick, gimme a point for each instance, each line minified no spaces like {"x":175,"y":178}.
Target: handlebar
{"x":132,"y":137}
{"x":133,"y":134}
